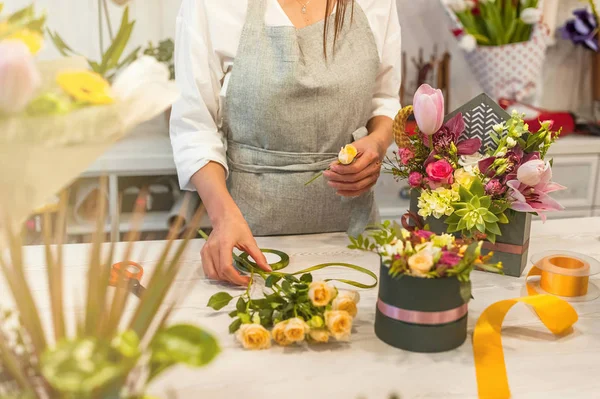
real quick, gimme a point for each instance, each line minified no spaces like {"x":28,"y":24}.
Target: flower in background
{"x":296,"y":330}
{"x":447,"y":139}
{"x":470,"y":163}
{"x":424,"y":234}
{"x":464,"y":178}
{"x":450,"y":259}
{"x":440,"y":172}
{"x":406,"y":155}
{"x":531,"y":15}
{"x":347,"y":301}
{"x":320,"y":336}
{"x":582,"y":29}
{"x":421,"y":263}
{"x":86,"y":86}
{"x":468,"y":43}
{"x":254,"y":336}
{"x":339,"y":324}
{"x":278,"y":334}
{"x":532,"y":172}
{"x":534,"y":199}
{"x":428,"y":104}
{"x":415,"y":179}
{"x":494,"y":188}
{"x":437,"y":202}
{"x":32,"y":39}
{"x":321,"y":293}
{"x":19,"y":77}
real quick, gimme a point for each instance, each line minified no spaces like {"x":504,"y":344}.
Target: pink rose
{"x":440,"y":172}
{"x":415,"y":179}
{"x":449,"y":258}
{"x":425,"y":234}
{"x":406,"y":155}
{"x":494,"y":187}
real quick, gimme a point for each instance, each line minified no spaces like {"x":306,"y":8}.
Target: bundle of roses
{"x":473,"y":192}
{"x":292,"y":312}
{"x":423,"y":254}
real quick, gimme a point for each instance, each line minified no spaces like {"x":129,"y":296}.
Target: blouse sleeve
{"x":386,"y":100}
{"x":195,"y":136}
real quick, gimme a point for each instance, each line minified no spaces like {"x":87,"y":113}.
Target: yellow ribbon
{"x":561,"y":275}
{"x":556,"y":314}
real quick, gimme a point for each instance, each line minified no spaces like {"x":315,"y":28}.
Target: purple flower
{"x":582,"y":29}
{"x":495,"y":188}
{"x":449,"y":134}
{"x":425,"y":234}
{"x":449,"y":258}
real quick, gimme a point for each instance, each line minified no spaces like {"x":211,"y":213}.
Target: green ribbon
{"x":245,"y":265}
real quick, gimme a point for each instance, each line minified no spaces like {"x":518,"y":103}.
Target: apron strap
{"x":256,"y":13}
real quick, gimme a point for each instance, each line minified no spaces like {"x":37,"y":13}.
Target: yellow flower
{"x":296,"y":330}
{"x":347,"y":154}
{"x":32,"y":39}
{"x":347,"y":301}
{"x":279,"y":336}
{"x":86,"y":86}
{"x":464,"y":178}
{"x":319,"y":336}
{"x":321,"y":293}
{"x":3,"y":27}
{"x":339,"y":324}
{"x":254,"y":336}
{"x":420,"y":263}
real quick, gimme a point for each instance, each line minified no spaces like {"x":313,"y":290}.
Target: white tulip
{"x":468,"y":43}
{"x":531,"y":16}
{"x":19,"y":76}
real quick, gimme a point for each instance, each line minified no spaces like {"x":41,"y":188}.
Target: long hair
{"x":340,"y":16}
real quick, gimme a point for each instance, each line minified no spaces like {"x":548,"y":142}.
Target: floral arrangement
{"x":583,"y":28}
{"x":473,"y":192}
{"x":296,"y":310}
{"x":423,"y":254}
{"x":494,"y":22}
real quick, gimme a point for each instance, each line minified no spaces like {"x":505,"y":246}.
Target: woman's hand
{"x":217,"y":253}
{"x":361,"y":175}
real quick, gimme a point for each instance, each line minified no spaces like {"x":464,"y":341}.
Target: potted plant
{"x":504,"y":42}
{"x":424,"y":287}
{"x":477,"y":173}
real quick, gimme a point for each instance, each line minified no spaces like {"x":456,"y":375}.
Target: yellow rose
{"x":420,"y":263}
{"x":319,"y":336}
{"x":296,"y":330}
{"x":33,"y":40}
{"x":347,"y":154}
{"x":339,"y":324}
{"x":321,"y":293}
{"x":464,"y":178}
{"x":86,"y":86}
{"x":254,"y":336}
{"x":347,"y":300}
{"x":278,"y":333}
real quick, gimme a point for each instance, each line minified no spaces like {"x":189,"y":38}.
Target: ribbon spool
{"x":283,"y":262}
{"x":564,"y":274}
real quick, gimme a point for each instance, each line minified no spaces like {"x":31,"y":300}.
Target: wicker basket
{"x":399,"y":127}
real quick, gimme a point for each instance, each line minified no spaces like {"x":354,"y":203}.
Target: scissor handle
{"x":127,"y":269}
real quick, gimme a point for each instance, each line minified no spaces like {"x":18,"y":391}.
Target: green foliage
{"x":163,"y":53}
{"x":219,"y":300}
{"x":25,"y":18}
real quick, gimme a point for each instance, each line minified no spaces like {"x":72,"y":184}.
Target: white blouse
{"x":208,"y":35}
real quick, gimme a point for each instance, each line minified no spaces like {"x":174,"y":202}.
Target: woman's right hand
{"x":228,"y":233}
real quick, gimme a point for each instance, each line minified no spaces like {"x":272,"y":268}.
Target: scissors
{"x":132,"y":273}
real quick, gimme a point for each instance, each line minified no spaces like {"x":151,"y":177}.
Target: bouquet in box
{"x":470,"y":187}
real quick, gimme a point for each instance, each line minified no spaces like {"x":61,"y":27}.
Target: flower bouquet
{"x":424,"y":287}
{"x":60,"y":113}
{"x":475,"y":179}
{"x":504,"y":42}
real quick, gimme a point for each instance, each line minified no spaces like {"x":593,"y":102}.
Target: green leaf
{"x":480,"y":227}
{"x":465,"y":291}
{"x":475,"y":202}
{"x":493,"y":228}
{"x":181,"y":344}
{"x":465,"y":195}
{"x":27,"y":12}
{"x":452,"y":228}
{"x":37,"y":24}
{"x":240,"y":305}
{"x":462,"y":225}
{"x":111,"y":58}
{"x":219,"y":301}
{"x":272,"y":280}
{"x":233,"y":313}
{"x":491,"y":237}
{"x":485,"y":202}
{"x":307,"y":278}
{"x":453,"y":219}
{"x":287,"y":288}
{"x":461,"y":212}
{"x":477,"y":188}
{"x":489,"y":217}
{"x":502,"y":218}
{"x":60,"y":44}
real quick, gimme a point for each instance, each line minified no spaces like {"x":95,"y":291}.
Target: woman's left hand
{"x":361,"y":175}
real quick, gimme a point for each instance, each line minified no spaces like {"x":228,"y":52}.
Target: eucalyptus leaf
{"x":219,"y":301}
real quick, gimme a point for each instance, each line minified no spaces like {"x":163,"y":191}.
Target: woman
{"x":301,"y":86}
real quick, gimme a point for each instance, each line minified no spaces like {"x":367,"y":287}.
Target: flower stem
{"x":314,"y":178}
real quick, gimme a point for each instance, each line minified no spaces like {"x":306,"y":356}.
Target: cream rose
{"x":347,"y":154}
{"x":296,"y":330}
{"x":278,"y":333}
{"x":254,"y":336}
{"x":420,"y":263}
{"x":319,"y":336}
{"x":347,"y":300}
{"x":321,"y":293}
{"x":339,"y":324}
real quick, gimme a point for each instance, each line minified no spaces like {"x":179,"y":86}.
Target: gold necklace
{"x":304,"y":5}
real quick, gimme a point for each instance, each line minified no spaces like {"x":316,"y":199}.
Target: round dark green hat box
{"x":422,"y":295}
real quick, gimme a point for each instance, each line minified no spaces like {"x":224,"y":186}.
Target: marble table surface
{"x":539,"y":364}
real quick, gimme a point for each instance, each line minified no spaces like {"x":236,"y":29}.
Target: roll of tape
{"x":281,"y":264}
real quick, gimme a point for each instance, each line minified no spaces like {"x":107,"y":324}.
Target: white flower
{"x":399,"y":246}
{"x":144,"y":71}
{"x":321,"y":293}
{"x":470,"y":163}
{"x":501,"y":153}
{"x":457,"y":5}
{"x":470,"y":4}
{"x":510,"y":142}
{"x":499,"y":128}
{"x":531,"y":16}
{"x":468,"y":43}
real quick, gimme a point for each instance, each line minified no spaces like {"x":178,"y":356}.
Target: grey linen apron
{"x":288,"y":111}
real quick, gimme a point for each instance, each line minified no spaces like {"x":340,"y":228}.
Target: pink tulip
{"x":531,"y":173}
{"x":19,"y":77}
{"x":428,"y":105}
